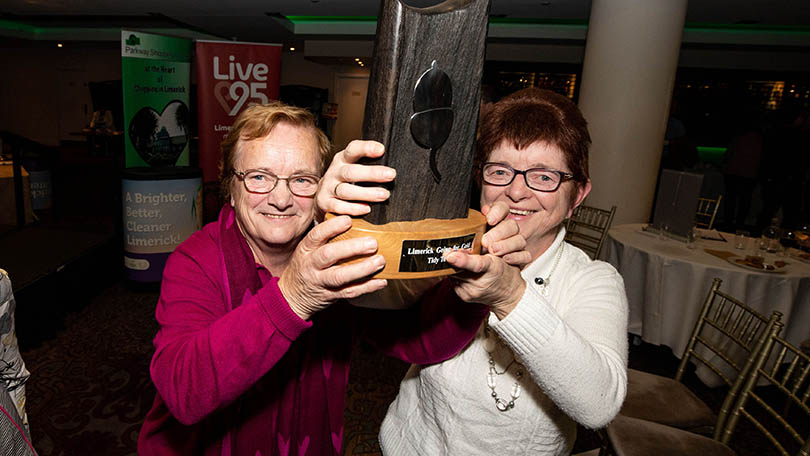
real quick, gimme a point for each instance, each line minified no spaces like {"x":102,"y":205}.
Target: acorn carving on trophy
{"x":422,"y":104}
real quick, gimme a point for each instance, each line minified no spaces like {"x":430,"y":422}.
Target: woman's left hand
{"x":504,"y":238}
{"x":493,"y":278}
{"x":487,"y":279}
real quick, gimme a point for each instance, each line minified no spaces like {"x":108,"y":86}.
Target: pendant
{"x":489,"y":344}
{"x":543,"y":283}
{"x":503,"y":406}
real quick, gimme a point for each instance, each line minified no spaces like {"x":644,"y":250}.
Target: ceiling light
{"x":58,"y":45}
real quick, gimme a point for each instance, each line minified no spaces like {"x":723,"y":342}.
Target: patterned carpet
{"x":90,"y":387}
{"x":373,"y":384}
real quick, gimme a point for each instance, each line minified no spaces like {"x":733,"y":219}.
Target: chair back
{"x":707,"y":211}
{"x":727,"y":338}
{"x":775,"y":397}
{"x":587,"y":228}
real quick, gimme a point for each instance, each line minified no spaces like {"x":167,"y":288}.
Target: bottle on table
{"x":771,"y":236}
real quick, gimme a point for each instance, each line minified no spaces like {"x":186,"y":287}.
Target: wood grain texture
{"x":390,"y":238}
{"x":408,"y":40}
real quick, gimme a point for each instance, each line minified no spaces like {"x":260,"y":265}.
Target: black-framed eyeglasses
{"x":261,"y":181}
{"x":540,"y":179}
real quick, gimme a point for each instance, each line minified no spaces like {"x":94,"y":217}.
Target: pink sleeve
{"x":434,"y":330}
{"x":205,"y":355}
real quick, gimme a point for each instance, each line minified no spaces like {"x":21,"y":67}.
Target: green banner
{"x":156,"y":75}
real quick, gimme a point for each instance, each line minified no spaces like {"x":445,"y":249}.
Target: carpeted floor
{"x":373,"y":384}
{"x":90,"y":389}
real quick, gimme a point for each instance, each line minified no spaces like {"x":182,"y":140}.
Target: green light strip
{"x":748,"y":28}
{"x":574,"y":23}
{"x":17,"y":27}
{"x":711,"y":150}
{"x":329,"y":19}
{"x":42,"y":31}
{"x":582,"y":23}
{"x":711,"y":154}
{"x":492,"y":20}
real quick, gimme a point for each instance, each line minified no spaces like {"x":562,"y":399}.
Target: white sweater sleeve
{"x":576,"y":352}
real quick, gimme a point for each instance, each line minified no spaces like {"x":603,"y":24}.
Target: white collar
{"x":543,"y":264}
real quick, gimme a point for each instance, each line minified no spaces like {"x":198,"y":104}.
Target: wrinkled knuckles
{"x":335,"y":278}
{"x":353,"y":292}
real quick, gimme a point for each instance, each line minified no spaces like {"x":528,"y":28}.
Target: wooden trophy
{"x":422,"y":104}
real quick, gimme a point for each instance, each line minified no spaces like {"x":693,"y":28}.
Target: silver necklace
{"x":489,"y":345}
{"x":491,"y":341}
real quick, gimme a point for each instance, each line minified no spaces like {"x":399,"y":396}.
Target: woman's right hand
{"x":313,"y":279}
{"x":338,"y":192}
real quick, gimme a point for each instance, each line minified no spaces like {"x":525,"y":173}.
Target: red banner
{"x":230,"y":77}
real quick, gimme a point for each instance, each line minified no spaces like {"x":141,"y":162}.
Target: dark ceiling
{"x":267,"y":21}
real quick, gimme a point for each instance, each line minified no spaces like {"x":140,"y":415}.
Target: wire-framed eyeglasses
{"x":261,"y":181}
{"x":540,"y":179}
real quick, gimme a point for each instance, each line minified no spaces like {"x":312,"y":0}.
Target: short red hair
{"x":536,"y":115}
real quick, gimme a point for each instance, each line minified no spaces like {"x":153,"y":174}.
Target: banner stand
{"x":162,"y":208}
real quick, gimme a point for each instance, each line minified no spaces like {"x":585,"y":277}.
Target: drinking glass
{"x":803,"y":238}
{"x":753,"y":253}
{"x":741,"y":239}
{"x":691,"y":238}
{"x":663,"y":233}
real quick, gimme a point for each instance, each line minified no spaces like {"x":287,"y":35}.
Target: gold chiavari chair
{"x":726,"y":339}
{"x":776,"y":398}
{"x":627,"y":436}
{"x":587,"y":228}
{"x":707,"y":211}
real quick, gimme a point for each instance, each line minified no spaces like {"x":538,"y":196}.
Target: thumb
{"x":463,"y":260}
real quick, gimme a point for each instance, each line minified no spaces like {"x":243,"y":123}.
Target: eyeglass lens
{"x":536,"y":178}
{"x":261,"y":182}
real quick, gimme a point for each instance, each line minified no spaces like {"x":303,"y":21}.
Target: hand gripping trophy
{"x":422,"y":104}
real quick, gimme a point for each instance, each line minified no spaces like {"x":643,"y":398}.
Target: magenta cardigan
{"x":237,"y":372}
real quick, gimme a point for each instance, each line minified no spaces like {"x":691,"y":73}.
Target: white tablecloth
{"x":667,"y":283}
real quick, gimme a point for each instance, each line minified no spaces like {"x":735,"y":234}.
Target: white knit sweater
{"x":573,"y":344}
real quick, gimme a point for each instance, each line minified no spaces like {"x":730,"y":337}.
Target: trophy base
{"x":413,"y":250}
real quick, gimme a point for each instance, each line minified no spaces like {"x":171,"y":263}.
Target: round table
{"x":667,"y":283}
